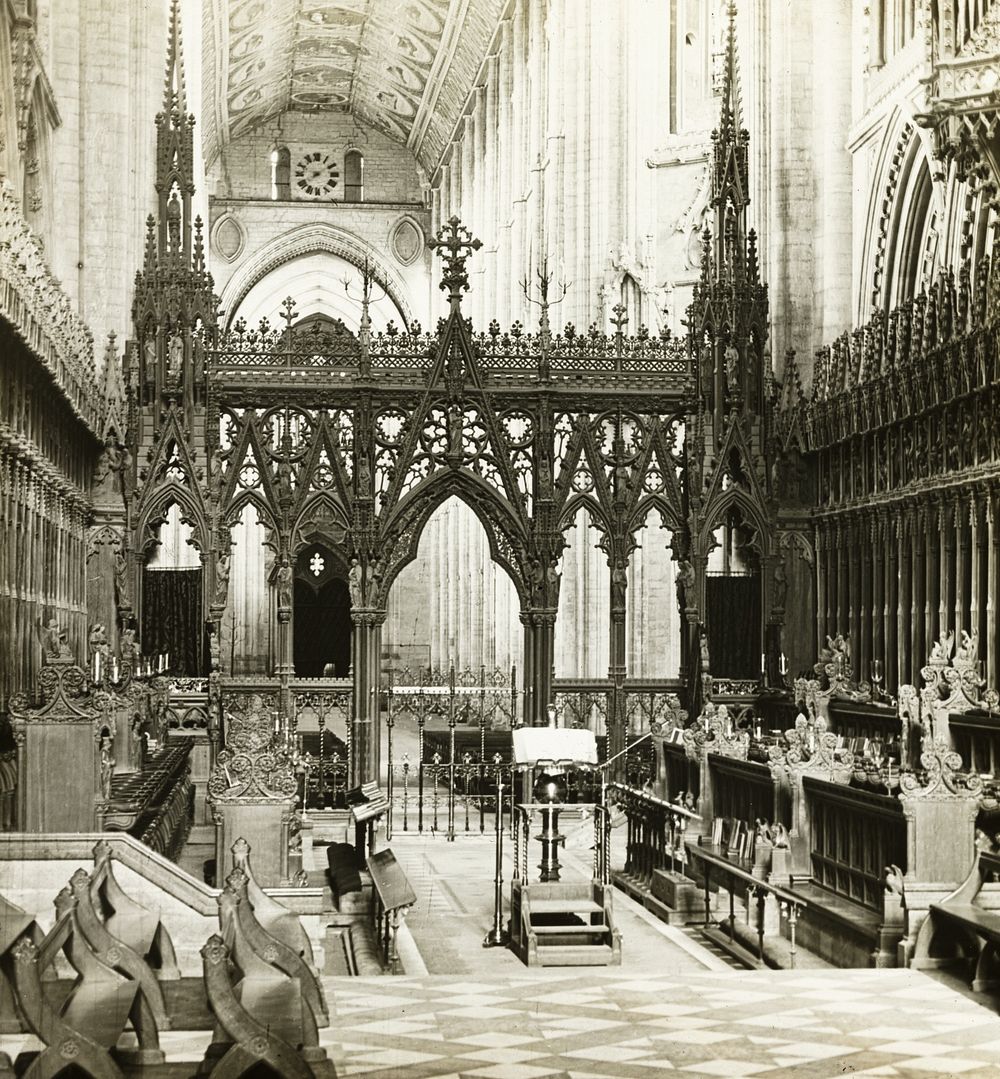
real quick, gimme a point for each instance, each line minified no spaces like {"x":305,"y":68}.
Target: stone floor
{"x":673,"y":1006}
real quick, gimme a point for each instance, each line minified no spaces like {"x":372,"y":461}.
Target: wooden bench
{"x":128,"y":921}
{"x":278,"y":920}
{"x":963,"y":930}
{"x":263,"y":1015}
{"x":234,"y":904}
{"x":84,"y":1027}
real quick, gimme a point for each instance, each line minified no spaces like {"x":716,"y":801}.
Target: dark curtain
{"x":322,"y":630}
{"x":171,"y":618}
{"x":733,"y":618}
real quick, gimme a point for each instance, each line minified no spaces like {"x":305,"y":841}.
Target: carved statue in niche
{"x":222,"y":577}
{"x":214,"y":650}
{"x":284,"y":481}
{"x":536,"y":581}
{"x":108,"y":467}
{"x":121,"y":578}
{"x":149,"y":352}
{"x":215,"y":482}
{"x":373,"y":577}
{"x":619,"y":583}
{"x":125,"y":472}
{"x":174,"y":223}
{"x":553,"y":579}
{"x":107,"y":765}
{"x":732,"y":360}
{"x":685,"y":584}
{"x":175,"y":356}
{"x":285,"y":579}
{"x":455,"y":429}
{"x":544,"y":476}
{"x":780,"y":586}
{"x":364,"y":475}
{"x":355,"y":583}
{"x":703,"y":644}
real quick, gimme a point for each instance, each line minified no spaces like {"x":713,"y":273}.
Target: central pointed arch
{"x":403,"y":528}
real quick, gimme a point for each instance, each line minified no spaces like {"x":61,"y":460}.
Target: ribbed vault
{"x":404,"y":67}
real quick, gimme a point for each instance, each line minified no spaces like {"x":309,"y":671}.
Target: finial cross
{"x":454,"y":243}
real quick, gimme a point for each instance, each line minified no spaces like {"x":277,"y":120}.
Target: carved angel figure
{"x":968,"y":650}
{"x":941,"y":649}
{"x":98,"y":639}
{"x":779,"y":836}
{"x":53,"y":639}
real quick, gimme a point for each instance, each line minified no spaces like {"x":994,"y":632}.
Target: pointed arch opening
{"x":582,"y":634}
{"x":653,"y":610}
{"x":453,"y":604}
{"x":734,"y":596}
{"x":247,"y":635}
{"x":321,"y":632}
{"x":172,"y":620}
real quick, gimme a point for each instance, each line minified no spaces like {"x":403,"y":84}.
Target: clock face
{"x":316,"y":175}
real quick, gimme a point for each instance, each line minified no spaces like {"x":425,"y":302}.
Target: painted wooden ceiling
{"x":404,"y":67}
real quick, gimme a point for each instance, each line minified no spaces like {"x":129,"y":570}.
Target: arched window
{"x":281,"y":172}
{"x":354,"y":176}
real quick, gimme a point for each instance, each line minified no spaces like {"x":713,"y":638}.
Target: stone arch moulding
{"x":734,"y":497}
{"x":410,"y":517}
{"x":154,"y":513}
{"x":902,"y":149}
{"x":309,"y":240}
{"x":228,"y":237}
{"x":406,"y":230}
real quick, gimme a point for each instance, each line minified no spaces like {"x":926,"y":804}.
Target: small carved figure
{"x":685,"y":584}
{"x":544,"y":476}
{"x":107,"y":766}
{"x":222,"y":577}
{"x":285,"y":578}
{"x":215,"y":481}
{"x":174,"y":223}
{"x":968,"y":650}
{"x":364,"y":476}
{"x":125,"y":472}
{"x":106,"y":471}
{"x":455,"y":429}
{"x":355,"y":585}
{"x":175,"y":356}
{"x":705,"y":657}
{"x":127,"y":643}
{"x":373,"y":575}
{"x":285,"y":481}
{"x":98,"y":639}
{"x":214,"y":651}
{"x":121,"y":578}
{"x":54,"y":642}
{"x":780,"y":586}
{"x":893,"y":879}
{"x":764,"y":833}
{"x":536,"y":578}
{"x":553,"y":580}
{"x":779,"y":836}
{"x":619,"y":584}
{"x":732,"y":360}
{"x":941,"y":649}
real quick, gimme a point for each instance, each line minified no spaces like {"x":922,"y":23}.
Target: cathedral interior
{"x":499,"y":557}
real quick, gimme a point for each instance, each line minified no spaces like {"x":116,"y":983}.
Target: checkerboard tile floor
{"x":591,"y":1024}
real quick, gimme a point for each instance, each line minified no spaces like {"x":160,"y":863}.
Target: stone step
{"x":559,"y":930}
{"x":565,"y":906}
{"x":575,"y":955}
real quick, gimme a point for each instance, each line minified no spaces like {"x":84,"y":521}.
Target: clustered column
{"x":918,"y":568}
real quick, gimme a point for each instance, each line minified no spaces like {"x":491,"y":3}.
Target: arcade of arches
{"x":388,"y":380}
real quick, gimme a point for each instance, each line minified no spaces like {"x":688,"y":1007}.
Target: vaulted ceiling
{"x":404,"y":67}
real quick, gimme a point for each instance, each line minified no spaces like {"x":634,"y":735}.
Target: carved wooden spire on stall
{"x":728,"y":314}
{"x":174,"y":309}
